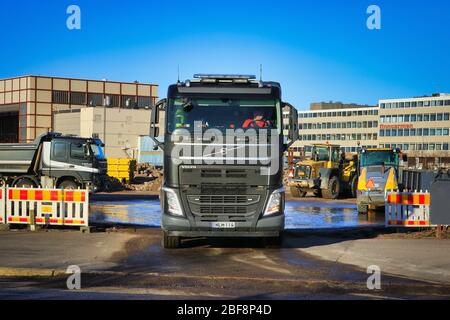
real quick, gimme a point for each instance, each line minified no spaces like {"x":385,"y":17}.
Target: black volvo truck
{"x":223,"y":158}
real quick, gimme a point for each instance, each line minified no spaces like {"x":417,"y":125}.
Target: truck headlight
{"x":275,"y":202}
{"x":173,"y":203}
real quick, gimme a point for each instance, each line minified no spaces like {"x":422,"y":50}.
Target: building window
{"x":78,"y":98}
{"x":406,"y":132}
{"x":394,"y":132}
{"x":413,"y":118}
{"x":412,"y":132}
{"x":413,"y":104}
{"x":387,"y":132}
{"x":447,"y":102}
{"x":439,"y":117}
{"x":144,"y":102}
{"x":445,"y":146}
{"x":439,"y":132}
{"x":419,"y":118}
{"x":112,"y":100}
{"x":128,"y":102}
{"x":95,"y":99}
{"x":432,"y":132}
{"x":445,"y":132}
{"x":426,"y":103}
{"x":433,"y":117}
{"x":420,"y":103}
{"x":426,"y":132}
{"x":400,"y":132}
{"x":61,"y":97}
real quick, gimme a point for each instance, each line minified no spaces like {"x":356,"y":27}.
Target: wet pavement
{"x":300,"y":214}
{"x":209,"y":269}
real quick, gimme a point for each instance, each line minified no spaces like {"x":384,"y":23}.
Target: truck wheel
{"x":297,"y":193}
{"x":170,"y":242}
{"x":363,"y":209}
{"x":354,"y":186}
{"x":24,"y":183}
{"x":68,"y":185}
{"x":333,"y":190}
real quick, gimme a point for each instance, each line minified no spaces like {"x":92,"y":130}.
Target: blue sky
{"x":318,"y":50}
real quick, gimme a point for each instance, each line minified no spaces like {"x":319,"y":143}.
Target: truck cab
{"x":214,"y":184}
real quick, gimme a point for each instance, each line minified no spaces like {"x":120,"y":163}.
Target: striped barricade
{"x":47,"y":207}
{"x":2,"y":206}
{"x":407,"y":209}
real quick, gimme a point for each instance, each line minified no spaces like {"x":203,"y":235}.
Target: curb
{"x":30,"y":272}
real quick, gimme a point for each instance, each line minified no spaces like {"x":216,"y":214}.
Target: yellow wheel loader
{"x":327,"y":174}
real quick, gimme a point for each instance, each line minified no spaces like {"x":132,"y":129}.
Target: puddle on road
{"x":299,"y":214}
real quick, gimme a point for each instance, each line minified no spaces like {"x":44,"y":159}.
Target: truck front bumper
{"x":266,"y":227}
{"x":370,"y":198}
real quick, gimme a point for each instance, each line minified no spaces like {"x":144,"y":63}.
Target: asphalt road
{"x":130,"y":264}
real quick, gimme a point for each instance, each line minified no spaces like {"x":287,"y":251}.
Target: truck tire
{"x":24,"y":183}
{"x":297,"y":193}
{"x":69,"y":185}
{"x":354,"y":186}
{"x":170,"y":242}
{"x":333,"y":190}
{"x":363,"y":209}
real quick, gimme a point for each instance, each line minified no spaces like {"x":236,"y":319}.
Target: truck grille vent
{"x":228,"y":210}
{"x":224,"y":199}
{"x":211,"y":174}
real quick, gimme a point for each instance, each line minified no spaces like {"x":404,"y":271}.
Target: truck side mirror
{"x":154,"y":121}
{"x":293,"y":124}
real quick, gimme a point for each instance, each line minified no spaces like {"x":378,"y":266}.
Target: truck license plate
{"x":223,"y":225}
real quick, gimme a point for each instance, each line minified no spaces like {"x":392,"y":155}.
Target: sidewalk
{"x":421,"y":259}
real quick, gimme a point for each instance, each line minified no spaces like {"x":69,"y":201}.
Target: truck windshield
{"x":97,"y":151}
{"x":374,"y":158}
{"x":223,"y":114}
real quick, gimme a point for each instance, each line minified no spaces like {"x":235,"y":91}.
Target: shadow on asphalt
{"x":292,"y":238}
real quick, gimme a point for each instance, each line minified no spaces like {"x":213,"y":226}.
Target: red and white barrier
{"x":407,"y":209}
{"x":47,"y":207}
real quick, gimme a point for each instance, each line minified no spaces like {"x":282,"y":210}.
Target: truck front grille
{"x":223,"y":207}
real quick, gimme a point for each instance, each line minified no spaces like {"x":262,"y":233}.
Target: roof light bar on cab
{"x":225,"y":76}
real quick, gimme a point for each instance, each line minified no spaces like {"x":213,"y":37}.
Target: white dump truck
{"x":54,"y":160}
